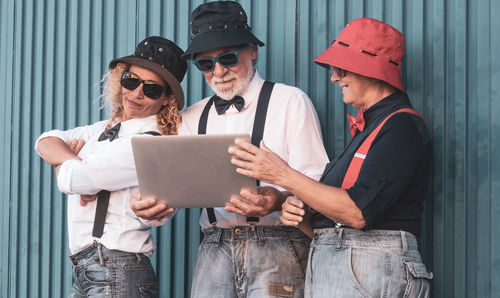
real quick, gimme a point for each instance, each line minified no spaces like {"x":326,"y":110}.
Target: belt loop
{"x":99,"y":254}
{"x":404,"y":243}
{"x":139,"y":259}
{"x":73,"y":259}
{"x":260,"y":235}
{"x":218,"y":236}
{"x":341,"y":234}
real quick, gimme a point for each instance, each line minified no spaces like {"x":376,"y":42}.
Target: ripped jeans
{"x":345,"y":262}
{"x":102,"y":272}
{"x":251,"y":262}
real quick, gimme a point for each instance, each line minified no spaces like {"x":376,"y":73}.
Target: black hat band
{"x":222,"y":27}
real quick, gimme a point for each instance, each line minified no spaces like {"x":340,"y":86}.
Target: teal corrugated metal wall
{"x":53,"y":53}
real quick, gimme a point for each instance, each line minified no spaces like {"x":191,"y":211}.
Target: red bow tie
{"x":357,"y":123}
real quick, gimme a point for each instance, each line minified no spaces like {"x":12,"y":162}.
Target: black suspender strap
{"x":151,"y":132}
{"x":257,"y":132}
{"x":261,"y":113}
{"x":202,"y":125}
{"x":100,"y":213}
{"x":259,"y":123}
{"x":103,"y":203}
{"x":202,"y":129}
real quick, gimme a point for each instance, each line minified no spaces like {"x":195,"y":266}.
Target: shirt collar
{"x":385,"y":106}
{"x":138,"y":125}
{"x":251,"y":92}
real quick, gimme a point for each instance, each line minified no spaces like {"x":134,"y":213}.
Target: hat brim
{"x":368,"y":66}
{"x":159,"y":70}
{"x":219,"y":39}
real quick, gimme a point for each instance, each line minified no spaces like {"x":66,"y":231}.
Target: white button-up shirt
{"x":108,"y":166}
{"x":291,"y":130}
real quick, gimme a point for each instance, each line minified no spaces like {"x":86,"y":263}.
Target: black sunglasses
{"x":151,"y":89}
{"x":227,"y":59}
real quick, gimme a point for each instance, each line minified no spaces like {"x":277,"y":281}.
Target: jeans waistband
{"x":371,"y":238}
{"x":261,"y":233}
{"x":245,"y":231}
{"x":101,"y":253}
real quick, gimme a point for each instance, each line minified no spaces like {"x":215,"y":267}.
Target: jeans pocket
{"x":368,"y":269}
{"x":147,"y":290}
{"x":96,"y":273}
{"x":97,"y":281}
{"x":211,"y":239}
{"x":140,"y":279}
{"x":300,"y":250}
{"x":417,"y":280}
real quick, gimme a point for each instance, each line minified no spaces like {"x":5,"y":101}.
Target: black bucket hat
{"x":219,"y":24}
{"x":162,"y":57}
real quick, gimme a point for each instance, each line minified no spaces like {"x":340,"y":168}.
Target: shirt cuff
{"x":64,"y":175}
{"x":158,"y":222}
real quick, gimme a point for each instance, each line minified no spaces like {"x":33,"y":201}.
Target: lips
{"x":225,"y":82}
{"x":133,"y":104}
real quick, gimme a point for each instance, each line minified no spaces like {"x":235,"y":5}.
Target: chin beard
{"x":235,"y":88}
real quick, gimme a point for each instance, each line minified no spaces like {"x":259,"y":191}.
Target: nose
{"x":137,"y":92}
{"x":335,"y":78}
{"x":219,"y":70}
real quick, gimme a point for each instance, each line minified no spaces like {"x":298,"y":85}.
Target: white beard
{"x":230,"y":90}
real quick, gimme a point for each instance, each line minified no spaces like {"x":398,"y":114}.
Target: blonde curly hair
{"x":167,"y":117}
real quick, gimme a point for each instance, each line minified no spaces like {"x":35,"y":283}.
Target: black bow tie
{"x":110,"y":134}
{"x":222,"y":105}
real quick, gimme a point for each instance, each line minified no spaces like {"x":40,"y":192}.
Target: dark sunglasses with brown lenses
{"x":151,"y":89}
{"x":338,"y":71}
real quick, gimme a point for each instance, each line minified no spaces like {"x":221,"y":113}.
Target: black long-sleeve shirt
{"x":395,"y":178}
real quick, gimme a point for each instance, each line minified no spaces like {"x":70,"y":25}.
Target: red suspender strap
{"x":359,"y":157}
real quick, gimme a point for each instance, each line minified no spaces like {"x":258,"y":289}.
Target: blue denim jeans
{"x":346,"y":262}
{"x":251,"y":262}
{"x":101,"y":272}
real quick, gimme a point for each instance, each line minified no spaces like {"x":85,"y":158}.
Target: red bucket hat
{"x":370,"y":48}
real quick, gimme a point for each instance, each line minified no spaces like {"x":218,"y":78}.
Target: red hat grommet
{"x":370,"y":48}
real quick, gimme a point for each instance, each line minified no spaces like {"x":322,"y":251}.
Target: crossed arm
{"x":55,"y":151}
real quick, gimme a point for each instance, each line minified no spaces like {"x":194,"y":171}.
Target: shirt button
{"x":237,"y":231}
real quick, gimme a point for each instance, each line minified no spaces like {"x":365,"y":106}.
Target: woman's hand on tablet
{"x":148,"y":208}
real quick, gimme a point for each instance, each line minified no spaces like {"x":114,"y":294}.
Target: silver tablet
{"x":188,"y":171}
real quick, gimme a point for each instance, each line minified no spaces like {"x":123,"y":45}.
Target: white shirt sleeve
{"x":111,"y":168}
{"x":158,"y":222}
{"x":67,"y":180}
{"x":306,"y":151}
{"x":81,"y":132}
{"x":184,"y":129}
